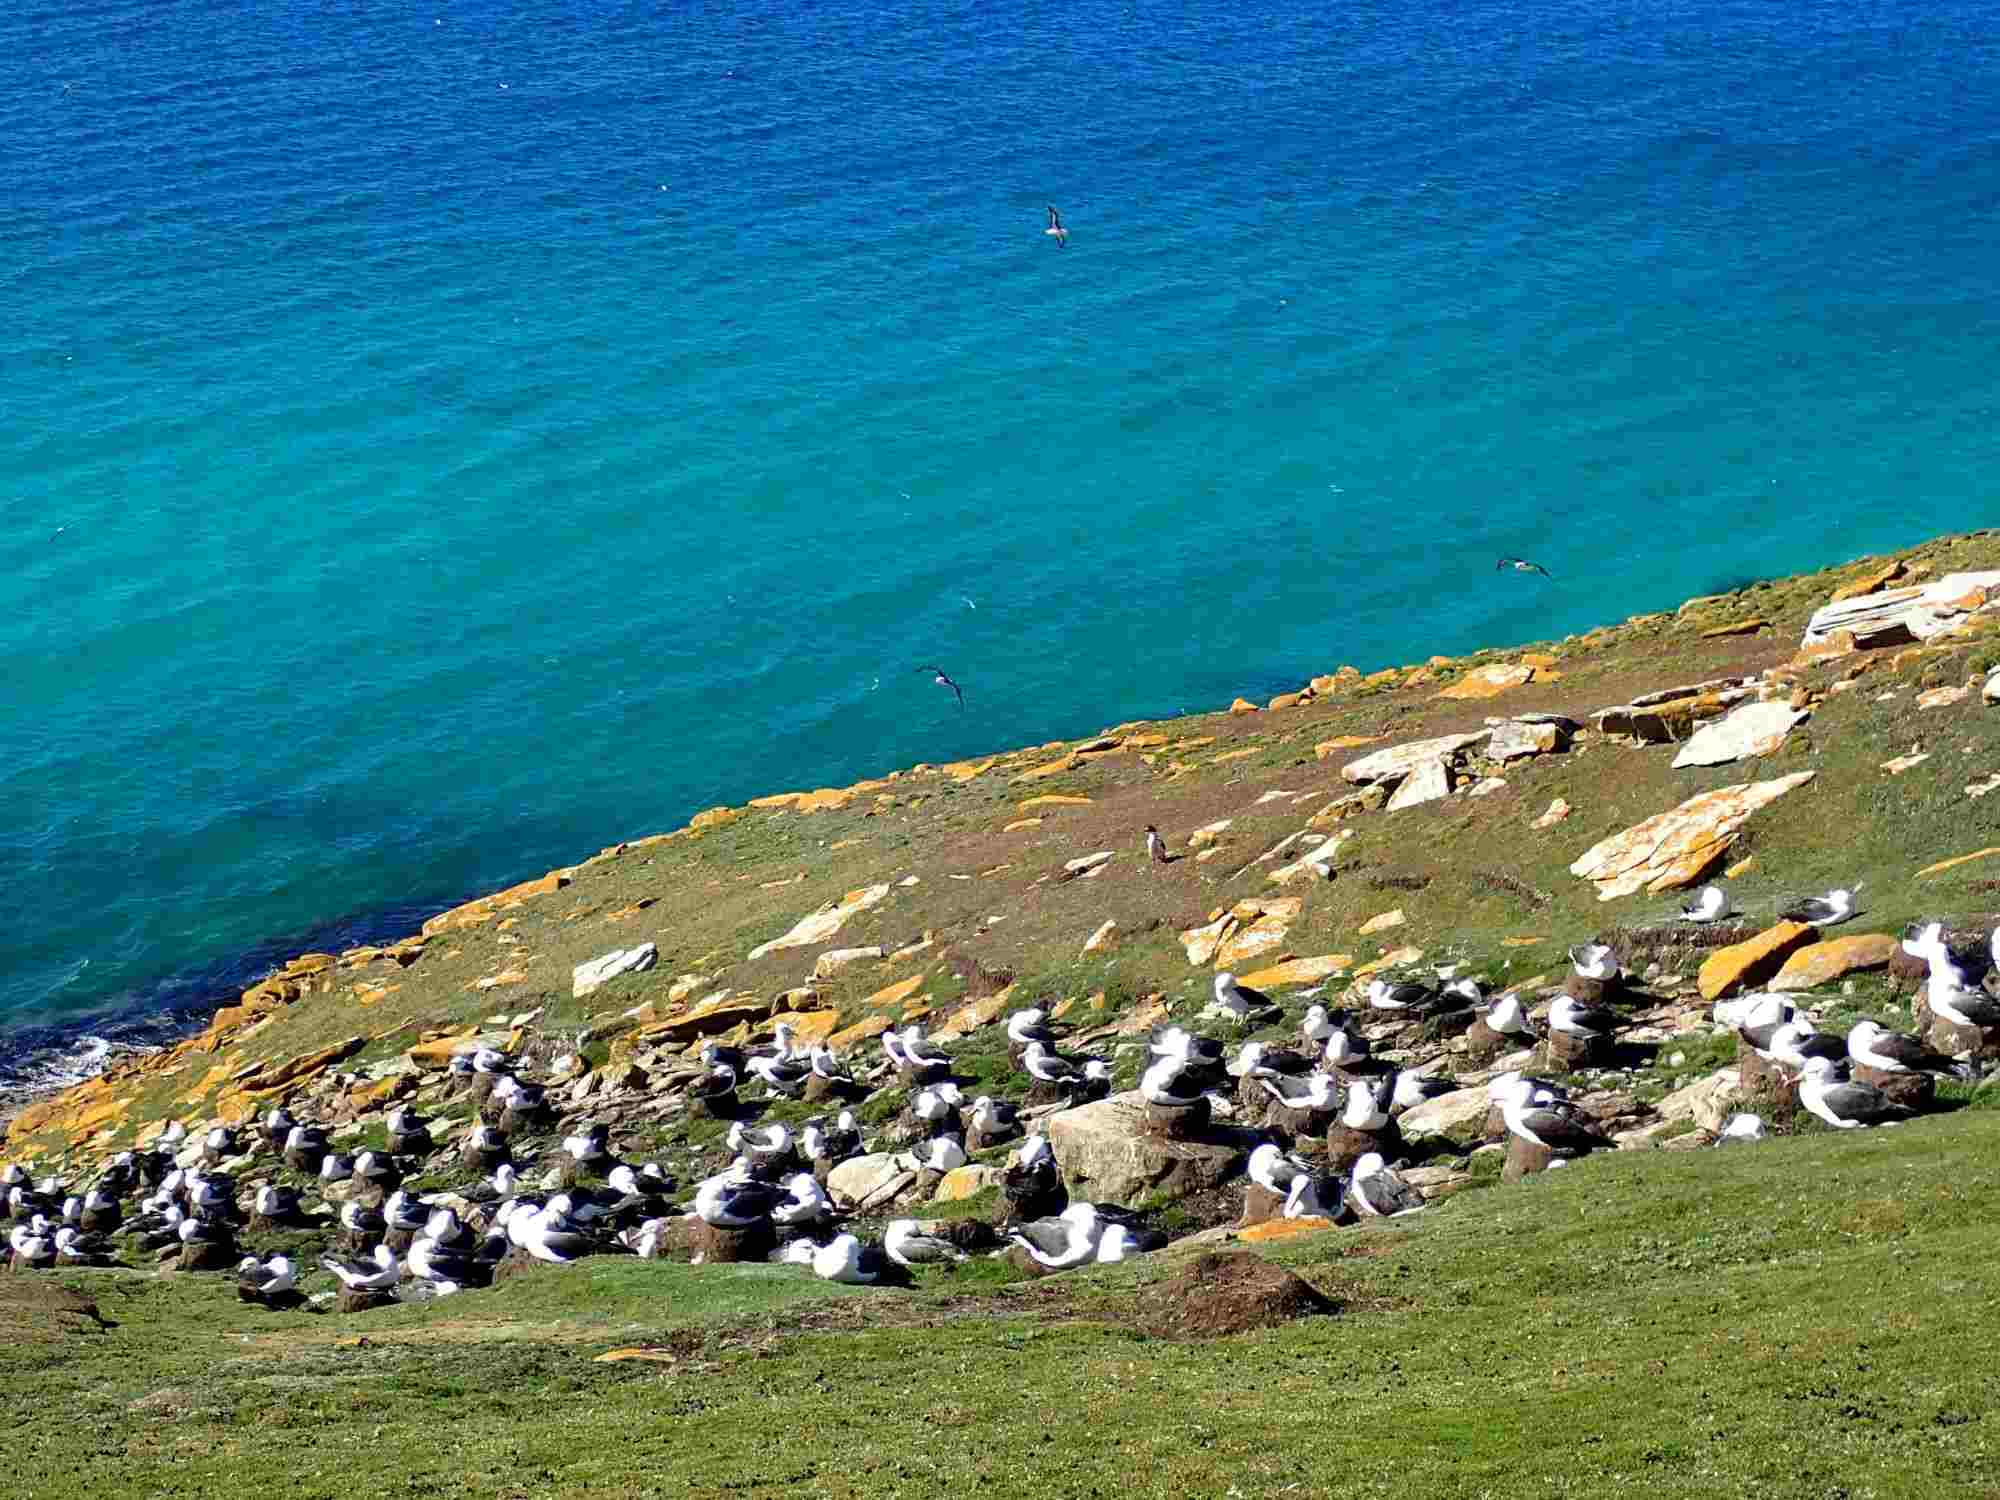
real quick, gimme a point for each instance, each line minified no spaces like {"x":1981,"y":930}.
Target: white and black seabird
{"x":1056,"y":230}
{"x":1069,"y":1239}
{"x":1156,"y":847}
{"x":1522,"y":565}
{"x":1710,"y":904}
{"x":1835,"y":907}
{"x":1376,"y":1192}
{"x":1873,"y":1045}
{"x":907,"y":1245}
{"x":1238,"y":1002}
{"x":1845,"y":1106}
{"x":944,"y":680}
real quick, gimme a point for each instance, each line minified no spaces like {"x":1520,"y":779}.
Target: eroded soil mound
{"x":1231,"y":1292}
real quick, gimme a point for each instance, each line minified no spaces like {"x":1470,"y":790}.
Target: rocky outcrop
{"x":1540,"y":734}
{"x":862,"y":1183}
{"x":1741,"y":965}
{"x":1675,"y":848}
{"x":1754,"y":729}
{"x":1458,"y":1117}
{"x":1489,"y":681}
{"x":1822,"y":963}
{"x":820,"y":925}
{"x":1898,"y":617}
{"x":1669,"y":715}
{"x":1246,"y":929}
{"x":1399,"y":761}
{"x":1106,"y":1153}
{"x":1428,"y":781}
{"x":587,"y":978}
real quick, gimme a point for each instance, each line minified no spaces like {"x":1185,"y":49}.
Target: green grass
{"x":1649,"y":1324}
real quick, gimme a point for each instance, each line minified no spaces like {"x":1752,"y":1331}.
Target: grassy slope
{"x":1683,"y":1321}
{"x":1658,"y":1324}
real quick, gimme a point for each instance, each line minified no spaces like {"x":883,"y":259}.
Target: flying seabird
{"x":907,"y":1246}
{"x":1376,"y":1192}
{"x":1875,"y":1046}
{"x":1845,"y":1106}
{"x":1056,"y":229}
{"x":1835,"y":907}
{"x":944,"y":680}
{"x":1522,"y":565}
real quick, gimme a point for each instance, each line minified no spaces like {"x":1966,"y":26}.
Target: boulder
{"x":834,"y":960}
{"x":1399,"y":761}
{"x":1458,"y":1117}
{"x":1669,"y":716}
{"x":818,"y":926}
{"x":1708,"y":1102}
{"x":717,"y":1246}
{"x":1743,"y":965}
{"x":1517,"y":739}
{"x":1489,"y":681}
{"x":360,"y":1300}
{"x":1954,"y":1040}
{"x":1822,"y":963}
{"x":1345,"y":1145}
{"x":1524,"y":1159}
{"x":1897,"y":617}
{"x":1178,"y":1122}
{"x":594,"y":974}
{"x":1675,"y":848}
{"x":1564,"y":1053}
{"x":862,"y":1182}
{"x":1754,"y":729}
{"x":1106,"y":1153}
{"x":1428,"y":781}
{"x":965,"y":1182}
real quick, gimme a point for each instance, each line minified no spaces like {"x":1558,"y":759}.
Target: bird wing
{"x":1859,"y":1101}
{"x":1542,"y":570}
{"x":1908,"y":1051}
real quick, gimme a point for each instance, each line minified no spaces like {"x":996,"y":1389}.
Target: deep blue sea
{"x":439,"y":439}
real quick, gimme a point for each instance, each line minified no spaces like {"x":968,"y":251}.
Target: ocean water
{"x":437,"y":440}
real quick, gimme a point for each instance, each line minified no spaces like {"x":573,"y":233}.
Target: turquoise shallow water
{"x":486,"y":431}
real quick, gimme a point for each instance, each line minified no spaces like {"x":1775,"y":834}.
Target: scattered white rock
{"x":1753,"y":729}
{"x":597,"y":972}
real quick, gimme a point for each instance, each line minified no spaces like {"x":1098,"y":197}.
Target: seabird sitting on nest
{"x":1117,"y":1241}
{"x":1030,"y":1025}
{"x":1585,"y":1022}
{"x":1261,"y":1060}
{"x":920,"y":1052}
{"x":783,"y":1075}
{"x":1345,"y":1044}
{"x":267,"y":1282}
{"x":1402,"y":995}
{"x":278,"y":1126}
{"x":1710,"y":904}
{"x":1505,"y":1015}
{"x":591,"y":1144}
{"x":1538,"y":1117}
{"x":1376,"y":1192}
{"x":843,"y":1137}
{"x":1845,"y":1106}
{"x":826,"y":1064}
{"x":1757,"y":1023}
{"x":941,"y":1153}
{"x":1275,"y":1170}
{"x":1172,"y":1082}
{"x":994,"y":1119}
{"x":1594,"y":961}
{"x":1306,"y":1091}
{"x":379,"y":1272}
{"x":75,"y":1248}
{"x":1187,"y":1046}
{"x":805,"y":1202}
{"x":1315,"y":1026}
{"x":33,"y":1244}
{"x":1306,"y":1200}
{"x":736,"y":1202}
{"x":1367,"y":1104}
{"x":1875,"y":1046}
{"x":1835,"y":907}
{"x":1413,"y":1088}
{"x":906,"y":1245}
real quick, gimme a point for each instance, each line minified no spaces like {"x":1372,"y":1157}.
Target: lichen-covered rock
{"x":1754,"y":729}
{"x":818,"y":926}
{"x":1822,"y":963}
{"x":1399,"y":761}
{"x":1457,"y":1117}
{"x":1489,"y":681}
{"x":1105,"y":1152}
{"x":593,"y":974}
{"x":1901,"y":616}
{"x":1675,"y":848}
{"x":1752,"y":961}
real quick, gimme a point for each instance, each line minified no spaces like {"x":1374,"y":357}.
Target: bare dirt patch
{"x":1229,"y":1292}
